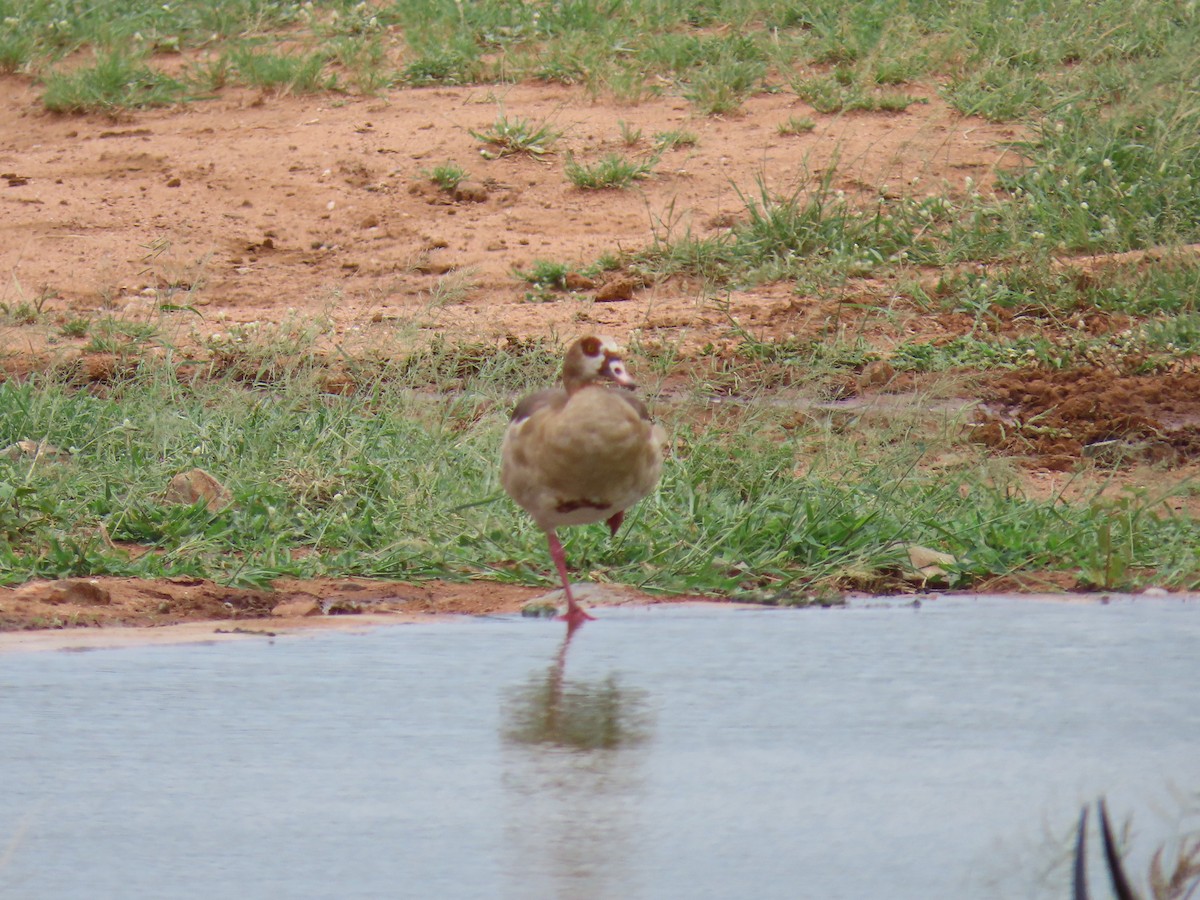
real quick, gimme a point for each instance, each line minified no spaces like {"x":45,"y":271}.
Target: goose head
{"x":595,"y":360}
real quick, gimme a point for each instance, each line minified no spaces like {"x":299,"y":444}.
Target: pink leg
{"x":575,"y":612}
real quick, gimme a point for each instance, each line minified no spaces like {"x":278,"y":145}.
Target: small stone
{"x":188,"y":487}
{"x":99,"y":367}
{"x":470,"y":192}
{"x":432,"y":268}
{"x":297,"y":608}
{"x":615,"y":291}
{"x":875,"y":374}
{"x":576,"y":282}
{"x":371,"y":221}
{"x":930,"y":563}
{"x":40,"y":450}
{"x":80,"y":591}
{"x":174,"y":182}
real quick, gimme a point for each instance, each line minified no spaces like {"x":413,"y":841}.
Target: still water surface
{"x":880,"y":751}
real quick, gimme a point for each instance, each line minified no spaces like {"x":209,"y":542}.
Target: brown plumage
{"x":583,"y":452}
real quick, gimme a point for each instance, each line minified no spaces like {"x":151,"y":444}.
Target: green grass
{"x":381,"y":482}
{"x":671,"y":140}
{"x":448,"y":176}
{"x":115,"y":81}
{"x":1024,"y":59}
{"x":796,"y":125}
{"x":287,"y":72}
{"x":611,"y":172}
{"x":506,"y":137}
{"x":722,"y":87}
{"x":840,"y":92}
{"x":548,"y":274}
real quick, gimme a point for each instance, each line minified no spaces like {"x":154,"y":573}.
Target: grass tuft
{"x":506,"y":137}
{"x":611,"y":172}
{"x":115,"y":81}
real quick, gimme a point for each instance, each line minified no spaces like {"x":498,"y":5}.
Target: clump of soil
{"x":88,"y":602}
{"x":1059,"y":417}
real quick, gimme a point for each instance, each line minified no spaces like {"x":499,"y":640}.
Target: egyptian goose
{"x":584,"y":452}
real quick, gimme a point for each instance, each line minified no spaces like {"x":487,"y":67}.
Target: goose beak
{"x":615,"y":369}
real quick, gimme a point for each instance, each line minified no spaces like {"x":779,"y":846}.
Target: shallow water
{"x":695,"y":752}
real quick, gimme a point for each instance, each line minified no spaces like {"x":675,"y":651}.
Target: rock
{"x":297,"y":608}
{"x":99,"y":367}
{"x":80,"y":591}
{"x":576,"y":282}
{"x":470,"y":192}
{"x":875,"y":374}
{"x":35,"y":450}
{"x":619,"y":289}
{"x":188,"y":487}
{"x":930,"y":563}
{"x":432,"y":268}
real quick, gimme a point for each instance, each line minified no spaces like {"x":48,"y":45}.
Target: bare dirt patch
{"x":1058,"y":417}
{"x":254,"y":209}
{"x":86,"y":604}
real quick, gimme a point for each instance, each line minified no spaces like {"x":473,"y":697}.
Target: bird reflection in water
{"x":573,"y":777}
{"x":548,"y":710}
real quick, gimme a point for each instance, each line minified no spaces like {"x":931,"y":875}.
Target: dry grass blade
{"x":1183,"y":883}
